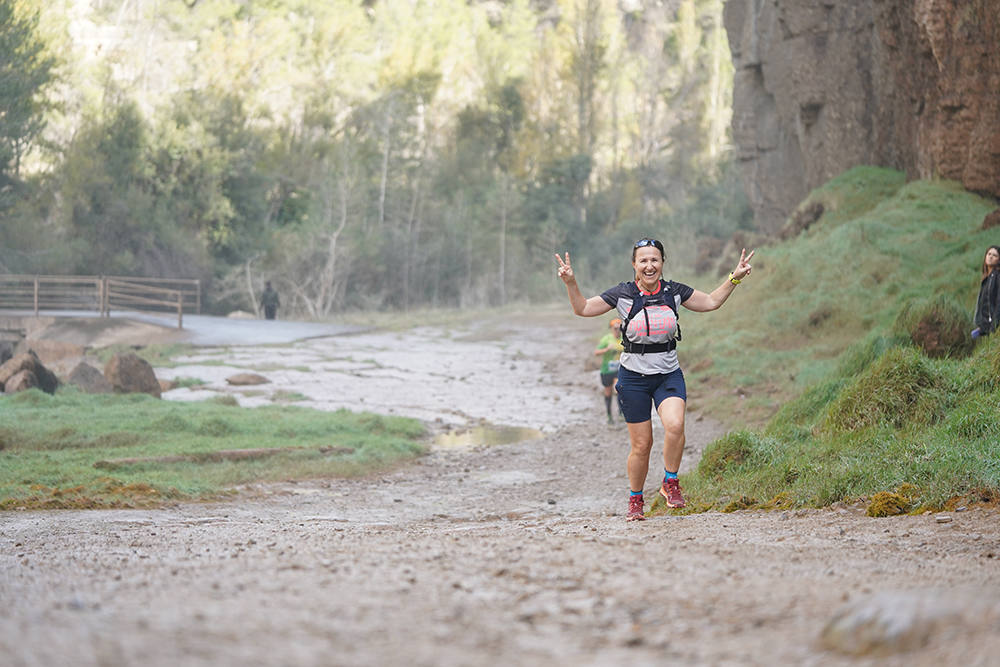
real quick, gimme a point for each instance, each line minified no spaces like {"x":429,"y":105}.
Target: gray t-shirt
{"x":662,"y":327}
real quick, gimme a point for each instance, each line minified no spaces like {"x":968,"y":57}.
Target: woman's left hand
{"x":742,"y":269}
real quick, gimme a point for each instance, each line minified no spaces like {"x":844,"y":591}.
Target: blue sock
{"x":668,"y":475}
{"x":634,"y":493}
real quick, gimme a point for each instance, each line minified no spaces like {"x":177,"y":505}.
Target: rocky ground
{"x":506,"y":554}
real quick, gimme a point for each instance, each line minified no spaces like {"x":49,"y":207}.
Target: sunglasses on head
{"x":642,"y":243}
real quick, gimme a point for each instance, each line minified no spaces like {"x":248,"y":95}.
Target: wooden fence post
{"x":180,"y":310}
{"x":36,"y":296}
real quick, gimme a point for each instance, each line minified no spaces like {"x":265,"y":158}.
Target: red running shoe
{"x":671,"y":492}
{"x":635,"y":509}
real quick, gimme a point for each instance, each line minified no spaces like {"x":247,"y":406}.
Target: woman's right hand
{"x":565,"y":270}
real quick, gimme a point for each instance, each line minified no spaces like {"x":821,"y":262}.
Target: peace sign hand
{"x":565,"y":270}
{"x":742,"y":269}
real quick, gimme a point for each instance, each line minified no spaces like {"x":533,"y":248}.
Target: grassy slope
{"x":812,"y":333}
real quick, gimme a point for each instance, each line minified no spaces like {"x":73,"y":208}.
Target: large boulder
{"x":28,"y":361}
{"x":131,"y":374}
{"x":20,"y":382}
{"x":88,"y":379}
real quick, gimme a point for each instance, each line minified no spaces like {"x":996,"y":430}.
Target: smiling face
{"x":648,"y":265}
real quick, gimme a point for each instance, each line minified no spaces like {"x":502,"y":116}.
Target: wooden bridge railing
{"x":100,"y":293}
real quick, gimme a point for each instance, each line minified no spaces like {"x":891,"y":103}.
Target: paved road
{"x":212,"y":330}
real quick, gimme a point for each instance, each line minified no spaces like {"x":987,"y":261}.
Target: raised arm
{"x":582,"y":306}
{"x":701,"y":302}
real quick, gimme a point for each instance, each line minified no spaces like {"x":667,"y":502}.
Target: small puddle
{"x":486,"y":435}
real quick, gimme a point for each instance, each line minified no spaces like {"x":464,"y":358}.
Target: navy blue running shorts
{"x":637,"y":393}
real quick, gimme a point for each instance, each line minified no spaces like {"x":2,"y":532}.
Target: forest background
{"x":363,"y":154}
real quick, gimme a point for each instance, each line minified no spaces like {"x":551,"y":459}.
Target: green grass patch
{"x":67,"y":450}
{"x":283,"y":396}
{"x":188,"y":382}
{"x":844,"y":363}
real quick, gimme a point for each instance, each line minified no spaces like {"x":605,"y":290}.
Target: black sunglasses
{"x":642,"y":243}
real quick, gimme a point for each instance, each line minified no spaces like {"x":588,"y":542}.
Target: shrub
{"x":897,"y":389}
{"x":938,"y":326}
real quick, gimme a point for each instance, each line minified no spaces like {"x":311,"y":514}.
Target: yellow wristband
{"x":733,"y":280}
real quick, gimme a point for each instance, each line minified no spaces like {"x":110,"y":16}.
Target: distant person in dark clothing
{"x":988,"y":304}
{"x":269,"y":301}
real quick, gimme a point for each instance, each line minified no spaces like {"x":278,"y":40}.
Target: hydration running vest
{"x":639,"y":304}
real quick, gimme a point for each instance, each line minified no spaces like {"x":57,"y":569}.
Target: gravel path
{"x":509,"y":554}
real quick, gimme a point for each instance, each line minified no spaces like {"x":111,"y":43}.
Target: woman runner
{"x":649,"y":373}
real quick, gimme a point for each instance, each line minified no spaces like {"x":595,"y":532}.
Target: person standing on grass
{"x":609,"y":348}
{"x":988,"y":303}
{"x":269,"y":301}
{"x":649,"y":374}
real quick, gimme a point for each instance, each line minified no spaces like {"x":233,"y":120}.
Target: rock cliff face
{"x":822,"y":86}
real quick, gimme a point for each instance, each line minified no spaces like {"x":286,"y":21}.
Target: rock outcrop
{"x":21,"y":381}
{"x":129,"y":373}
{"x":823,"y":86}
{"x":88,"y":379}
{"x":25,"y":370}
{"x":241,"y":379}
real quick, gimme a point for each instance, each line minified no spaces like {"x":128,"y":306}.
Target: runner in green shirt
{"x":610,"y":346}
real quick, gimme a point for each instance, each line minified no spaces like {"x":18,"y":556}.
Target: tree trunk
{"x":410,"y":244}
{"x":249,"y":284}
{"x":328,"y":274}
{"x":502,"y":273}
{"x":386,"y":142}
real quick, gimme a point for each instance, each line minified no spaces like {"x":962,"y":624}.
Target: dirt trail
{"x":510,"y":554}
